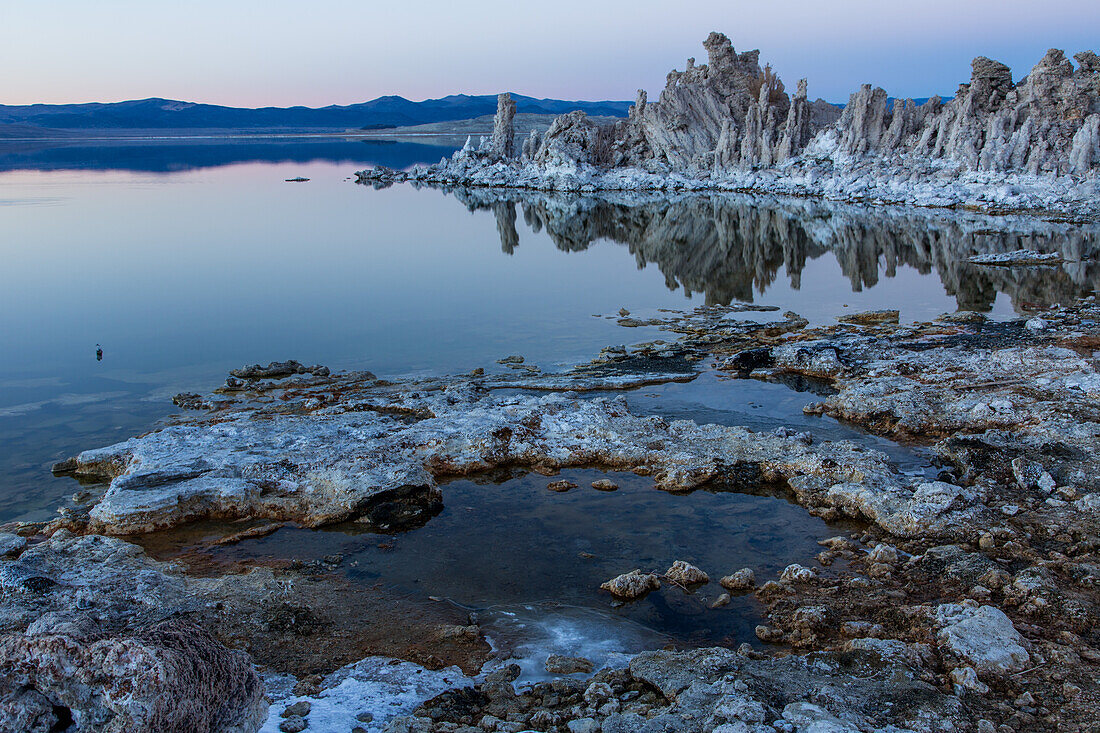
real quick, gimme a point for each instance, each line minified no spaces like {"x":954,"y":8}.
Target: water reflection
{"x":732,"y":247}
{"x":161,"y":156}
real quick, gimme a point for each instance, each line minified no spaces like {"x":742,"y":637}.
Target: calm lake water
{"x":185,"y":259}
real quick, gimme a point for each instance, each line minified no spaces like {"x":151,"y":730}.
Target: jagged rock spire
{"x":504,"y":131}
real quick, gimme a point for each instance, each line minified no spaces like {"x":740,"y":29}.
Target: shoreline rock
{"x":632,"y":585}
{"x":730,"y":125}
{"x":975,"y":587}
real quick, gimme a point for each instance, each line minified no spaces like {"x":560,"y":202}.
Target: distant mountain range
{"x":384,"y":112}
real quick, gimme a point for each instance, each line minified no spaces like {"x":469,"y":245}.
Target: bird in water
{"x":98,"y":352}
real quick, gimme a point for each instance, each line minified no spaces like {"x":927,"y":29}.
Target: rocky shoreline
{"x":965,"y":602}
{"x":998,"y":146}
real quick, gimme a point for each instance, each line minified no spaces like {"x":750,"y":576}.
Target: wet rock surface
{"x":351,"y":447}
{"x":966,"y":597}
{"x":632,"y":585}
{"x":1008,"y":407}
{"x":707,"y":689}
{"x":94,"y":630}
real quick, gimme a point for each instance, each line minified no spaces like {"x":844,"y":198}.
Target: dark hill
{"x":390,"y":111}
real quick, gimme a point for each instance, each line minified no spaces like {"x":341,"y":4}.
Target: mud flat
{"x":729,"y":125}
{"x":960,"y":601}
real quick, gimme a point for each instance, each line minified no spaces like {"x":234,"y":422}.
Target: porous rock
{"x":170,"y":676}
{"x":83,"y":626}
{"x":686,"y":574}
{"x":729,"y":124}
{"x":558,"y":664}
{"x":376,"y":451}
{"x":739,"y":581}
{"x":504,"y":133}
{"x":634,"y":584}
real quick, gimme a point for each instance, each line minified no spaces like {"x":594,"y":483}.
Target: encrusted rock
{"x":686,"y":574}
{"x":169,"y":676}
{"x":11,"y":544}
{"x":374,"y":452}
{"x":871,"y":317}
{"x":504,"y":133}
{"x":795,"y":573}
{"x":883,"y":553}
{"x":729,"y":124}
{"x":634,"y":584}
{"x":983,"y":637}
{"x":558,"y":664}
{"x":740,"y":581}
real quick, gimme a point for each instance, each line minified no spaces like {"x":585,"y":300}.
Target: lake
{"x":184,"y":259}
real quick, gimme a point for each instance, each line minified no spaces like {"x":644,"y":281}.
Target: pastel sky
{"x":276,"y":52}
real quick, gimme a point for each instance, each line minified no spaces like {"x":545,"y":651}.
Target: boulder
{"x":686,"y":574}
{"x":634,"y":584}
{"x":982,"y":637}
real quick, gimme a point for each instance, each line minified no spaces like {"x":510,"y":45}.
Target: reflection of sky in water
{"x":183,"y":276}
{"x":175,"y":154}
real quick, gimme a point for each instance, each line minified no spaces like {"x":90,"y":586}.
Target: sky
{"x":254,"y":53}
